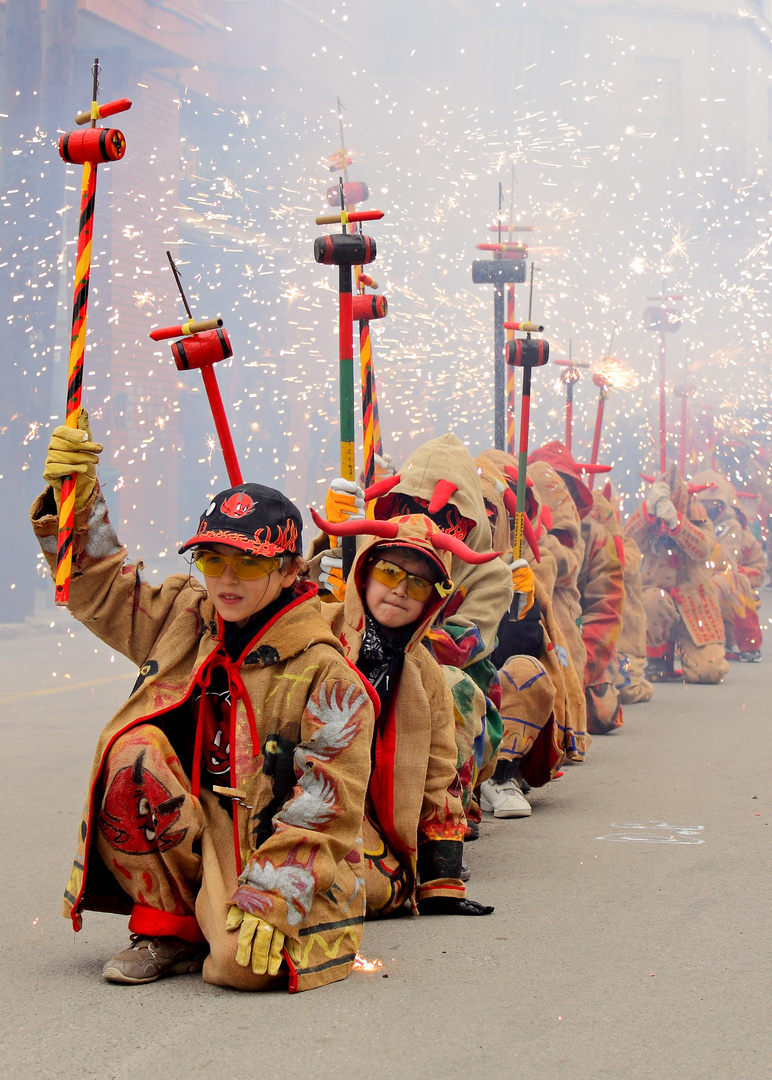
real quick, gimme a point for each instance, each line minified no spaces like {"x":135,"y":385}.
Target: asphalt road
{"x":631,"y":937}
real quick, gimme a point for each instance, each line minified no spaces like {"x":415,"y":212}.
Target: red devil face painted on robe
{"x":139,"y":812}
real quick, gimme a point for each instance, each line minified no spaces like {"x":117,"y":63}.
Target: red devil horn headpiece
{"x":647,"y":478}
{"x":442,"y":492}
{"x":593,"y":468}
{"x":381,"y":487}
{"x":546,"y":516}
{"x":388,"y":530}
{"x":695,"y":489}
{"x":357,"y":527}
{"x":511,"y":504}
{"x":607,"y":490}
{"x":511,"y":472}
{"x":446,"y":542}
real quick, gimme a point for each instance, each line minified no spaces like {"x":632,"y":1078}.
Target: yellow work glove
{"x":331,"y":573}
{"x":259,"y":944}
{"x":345,"y":502}
{"x":71,"y":452}
{"x":522,"y":581}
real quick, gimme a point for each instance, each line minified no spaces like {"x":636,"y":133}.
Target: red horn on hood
{"x":511,"y":504}
{"x":546,"y":516}
{"x":593,"y":468}
{"x":607,"y":490}
{"x":695,"y":489}
{"x":649,"y":479}
{"x":511,"y":472}
{"x":442,"y":492}
{"x":381,"y":487}
{"x":446,"y":542}
{"x":358,"y":527}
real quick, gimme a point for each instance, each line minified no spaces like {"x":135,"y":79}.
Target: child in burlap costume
{"x":564,"y":540}
{"x":630,"y":654}
{"x":681,"y":602}
{"x":601,"y":588}
{"x":734,"y":578}
{"x":440,"y":480}
{"x":226,"y":795}
{"x":542,"y":708}
{"x":414,"y":823}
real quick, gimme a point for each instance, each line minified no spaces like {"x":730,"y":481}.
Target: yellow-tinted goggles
{"x":390,"y":574}
{"x":245,"y":567}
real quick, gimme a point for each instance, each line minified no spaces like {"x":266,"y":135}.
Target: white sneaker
{"x":503,"y":800}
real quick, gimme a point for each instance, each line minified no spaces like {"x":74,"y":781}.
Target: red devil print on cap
{"x":237,"y":506}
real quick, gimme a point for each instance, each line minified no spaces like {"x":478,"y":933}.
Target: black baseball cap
{"x":252,"y":518}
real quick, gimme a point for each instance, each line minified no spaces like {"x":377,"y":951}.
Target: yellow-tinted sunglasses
{"x":390,"y":574}
{"x":245,"y":567}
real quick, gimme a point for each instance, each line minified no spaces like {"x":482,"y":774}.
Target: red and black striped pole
{"x":87,"y":148}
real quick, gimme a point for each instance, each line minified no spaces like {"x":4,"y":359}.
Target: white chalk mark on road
{"x":655,"y":832}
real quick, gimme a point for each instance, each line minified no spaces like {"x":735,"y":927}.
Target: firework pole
{"x":604,"y":386}
{"x":684,"y":392}
{"x":203,"y":345}
{"x":88,"y":148}
{"x":346,"y":250}
{"x":666,"y":321}
{"x":348,"y":196}
{"x":526,"y":353}
{"x":569,"y":376}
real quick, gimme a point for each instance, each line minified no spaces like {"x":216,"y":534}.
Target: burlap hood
{"x":552,"y":491}
{"x":447,"y":460}
{"x":559,"y":457}
{"x":722,"y":491}
{"x":414,"y":532}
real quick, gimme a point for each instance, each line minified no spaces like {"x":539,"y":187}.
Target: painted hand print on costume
{"x":139,"y":812}
{"x":315,"y":806}
{"x":338,"y":725}
{"x":293,"y":881}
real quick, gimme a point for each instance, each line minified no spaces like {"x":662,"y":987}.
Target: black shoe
{"x":660,"y":670}
{"x":751,"y":657}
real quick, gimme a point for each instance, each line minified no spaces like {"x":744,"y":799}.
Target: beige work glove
{"x":71,"y":452}
{"x":384,"y":466}
{"x":658,"y":491}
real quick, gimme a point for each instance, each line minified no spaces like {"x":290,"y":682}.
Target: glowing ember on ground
{"x":361,"y":963}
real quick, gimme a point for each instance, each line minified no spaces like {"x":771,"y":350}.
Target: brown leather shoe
{"x":148,"y":959}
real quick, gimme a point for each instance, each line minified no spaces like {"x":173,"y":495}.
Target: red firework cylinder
{"x":201,"y":350}
{"x":108,"y":109}
{"x":352,"y":192}
{"x":366,"y":308}
{"x":344,"y":249}
{"x":528,"y":352}
{"x":93,"y":145}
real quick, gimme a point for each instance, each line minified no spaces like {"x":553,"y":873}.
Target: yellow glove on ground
{"x":259,"y":944}
{"x":71,"y":452}
{"x":522,"y":581}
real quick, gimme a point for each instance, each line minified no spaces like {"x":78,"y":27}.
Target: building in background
{"x":636,"y":137}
